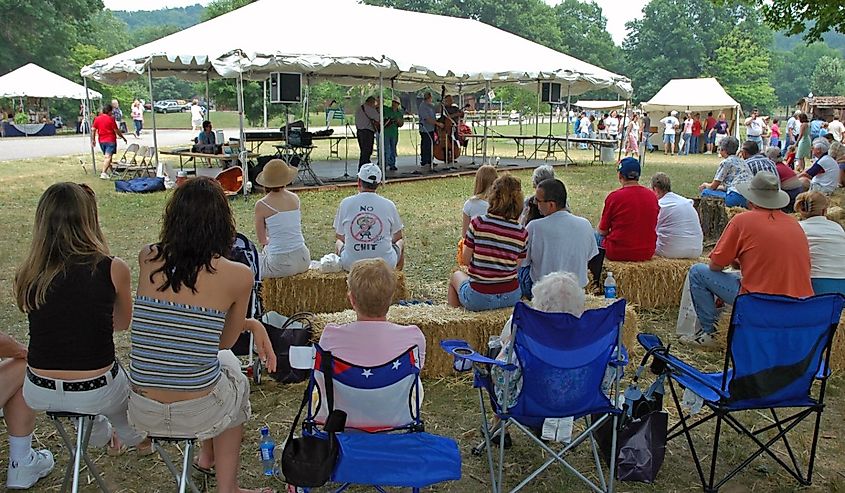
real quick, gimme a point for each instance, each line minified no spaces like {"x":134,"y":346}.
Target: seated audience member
{"x":789,"y":159}
{"x":371,"y":340}
{"x":477,"y":204}
{"x":367,"y":225}
{"x":278,"y":224}
{"x":748,"y":243}
{"x":76,"y":296}
{"x":629,"y":218}
{"x":827,"y":243}
{"x":494,"y":245}
{"x":837,"y":152}
{"x":789,"y":181}
{"x":732,"y":171}
{"x":26,"y":465}
{"x":679,"y":232}
{"x":189,"y":310}
{"x":207,"y":136}
{"x":530,"y":211}
{"x":755,"y":160}
{"x":559,"y":241}
{"x":823,"y":175}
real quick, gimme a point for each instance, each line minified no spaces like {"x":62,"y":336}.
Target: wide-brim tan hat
{"x":764,"y":191}
{"x":276,"y":174}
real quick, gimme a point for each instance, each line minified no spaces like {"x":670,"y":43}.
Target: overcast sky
{"x":618,"y":12}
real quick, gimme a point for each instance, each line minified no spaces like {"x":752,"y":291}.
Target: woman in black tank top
{"x":76,"y":296}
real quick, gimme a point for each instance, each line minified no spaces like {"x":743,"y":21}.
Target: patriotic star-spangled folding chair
{"x":564,"y":361}
{"x":384,"y":444}
{"x":778,"y":349}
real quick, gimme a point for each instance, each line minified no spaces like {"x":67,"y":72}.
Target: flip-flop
{"x":208,"y":471}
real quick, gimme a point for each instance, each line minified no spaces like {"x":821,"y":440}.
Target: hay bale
{"x":837,"y":198}
{"x":837,"y":214}
{"x":713,"y":217}
{"x":655,"y":283}
{"x":313,"y":291}
{"x":733,"y":211}
{"x":439,"y":322}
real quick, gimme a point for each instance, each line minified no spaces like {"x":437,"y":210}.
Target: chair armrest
{"x":619,"y":363}
{"x":655,"y":347}
{"x":463,"y":352}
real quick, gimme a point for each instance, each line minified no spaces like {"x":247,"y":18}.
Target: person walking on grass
{"x":105,"y":130}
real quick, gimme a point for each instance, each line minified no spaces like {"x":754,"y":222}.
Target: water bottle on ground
{"x":610,"y":286}
{"x":267,"y":449}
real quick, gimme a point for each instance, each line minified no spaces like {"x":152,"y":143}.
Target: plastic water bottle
{"x":267,"y":449}
{"x":610,"y":286}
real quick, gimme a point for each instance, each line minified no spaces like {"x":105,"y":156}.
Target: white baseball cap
{"x":370,"y":173}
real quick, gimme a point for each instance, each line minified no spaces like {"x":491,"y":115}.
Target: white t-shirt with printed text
{"x":368,"y":222}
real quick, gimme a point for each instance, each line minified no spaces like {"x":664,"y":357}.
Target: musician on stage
{"x":450,"y":111}
{"x":393,"y":119}
{"x":366,"y":124}
{"x":428,"y":125}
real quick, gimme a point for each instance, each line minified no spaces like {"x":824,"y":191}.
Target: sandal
{"x":208,"y":471}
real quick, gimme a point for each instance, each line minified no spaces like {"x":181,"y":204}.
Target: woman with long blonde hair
{"x":827,"y":243}
{"x":494,"y":245}
{"x":76,"y":295}
{"x":477,"y":204}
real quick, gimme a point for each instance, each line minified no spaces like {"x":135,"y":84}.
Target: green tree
{"x":828,"y":77}
{"x":584,"y":35}
{"x":793,"y":68}
{"x":41,"y":31}
{"x":104,"y":30}
{"x":741,"y":65}
{"x":812,"y":18}
{"x":675,"y":39}
{"x":146,"y":34}
{"x":219,"y":7}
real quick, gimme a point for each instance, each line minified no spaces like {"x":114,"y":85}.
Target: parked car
{"x":168,"y":106}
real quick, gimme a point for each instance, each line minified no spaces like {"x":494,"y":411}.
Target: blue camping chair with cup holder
{"x":776,"y":364}
{"x":570,"y":368}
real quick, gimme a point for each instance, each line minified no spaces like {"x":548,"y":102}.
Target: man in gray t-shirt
{"x":557,"y":242}
{"x":366,"y":122}
{"x":428,"y":124}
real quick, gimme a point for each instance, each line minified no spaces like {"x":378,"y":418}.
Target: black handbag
{"x":286,"y":336}
{"x":309,"y":461}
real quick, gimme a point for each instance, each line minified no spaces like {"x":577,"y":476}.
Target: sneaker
{"x":704,"y":340}
{"x":23,"y":476}
{"x":104,"y":176}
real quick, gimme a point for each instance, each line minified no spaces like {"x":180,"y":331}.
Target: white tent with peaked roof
{"x":703,"y":94}
{"x":32,"y":81}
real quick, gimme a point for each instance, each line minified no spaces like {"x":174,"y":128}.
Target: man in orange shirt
{"x":753,"y":242}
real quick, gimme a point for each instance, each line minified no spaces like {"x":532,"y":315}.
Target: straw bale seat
{"x":440,"y":322}
{"x":655,"y":283}
{"x":316,"y":292}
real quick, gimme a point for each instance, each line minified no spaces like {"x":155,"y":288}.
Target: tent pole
{"x":86,"y":121}
{"x":307,"y":100}
{"x":381,"y":125}
{"x":242,"y":146}
{"x":155,"y":129}
{"x":568,"y":105}
{"x":624,"y":116}
{"x":264,"y":100}
{"x":207,"y":101}
{"x":537,"y":117}
{"x":486,"y":113}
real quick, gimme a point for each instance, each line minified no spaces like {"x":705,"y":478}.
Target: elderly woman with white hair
{"x":530,"y":210}
{"x":823,"y":175}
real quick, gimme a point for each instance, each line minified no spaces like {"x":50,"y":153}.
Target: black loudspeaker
{"x":550,"y":92}
{"x":285,"y":87}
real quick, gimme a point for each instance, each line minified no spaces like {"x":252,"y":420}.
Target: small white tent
{"x":588,"y":104}
{"x":704,"y":94}
{"x":33,"y":81}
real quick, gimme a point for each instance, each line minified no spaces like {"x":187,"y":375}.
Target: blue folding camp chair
{"x":777,"y":348}
{"x":384,"y":444}
{"x":563,"y":360}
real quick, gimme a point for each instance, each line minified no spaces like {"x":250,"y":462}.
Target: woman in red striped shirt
{"x":494,"y":245}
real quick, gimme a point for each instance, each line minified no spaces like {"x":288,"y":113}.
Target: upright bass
{"x":447,"y":147}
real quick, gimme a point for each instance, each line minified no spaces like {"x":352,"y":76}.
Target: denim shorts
{"x":474,"y":301}
{"x":668,"y":138}
{"x":109,"y":148}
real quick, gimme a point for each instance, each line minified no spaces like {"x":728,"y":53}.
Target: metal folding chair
{"x":79,"y":448}
{"x":182,"y":476}
{"x":778,"y":350}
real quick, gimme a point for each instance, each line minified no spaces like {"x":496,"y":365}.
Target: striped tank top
{"x":174,"y":346}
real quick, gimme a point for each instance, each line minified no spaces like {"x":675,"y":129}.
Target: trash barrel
{"x":608,"y":153}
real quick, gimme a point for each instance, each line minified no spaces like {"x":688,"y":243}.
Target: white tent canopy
{"x":35,"y":82}
{"x":599,"y":105}
{"x":341,"y":41}
{"x":691,"y":94}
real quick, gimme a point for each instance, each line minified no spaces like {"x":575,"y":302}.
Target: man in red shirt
{"x":105,"y":127}
{"x":753,"y":242}
{"x":627,"y":230}
{"x":710,"y":132}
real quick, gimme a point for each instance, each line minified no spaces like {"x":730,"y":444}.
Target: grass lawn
{"x":431,"y":213}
